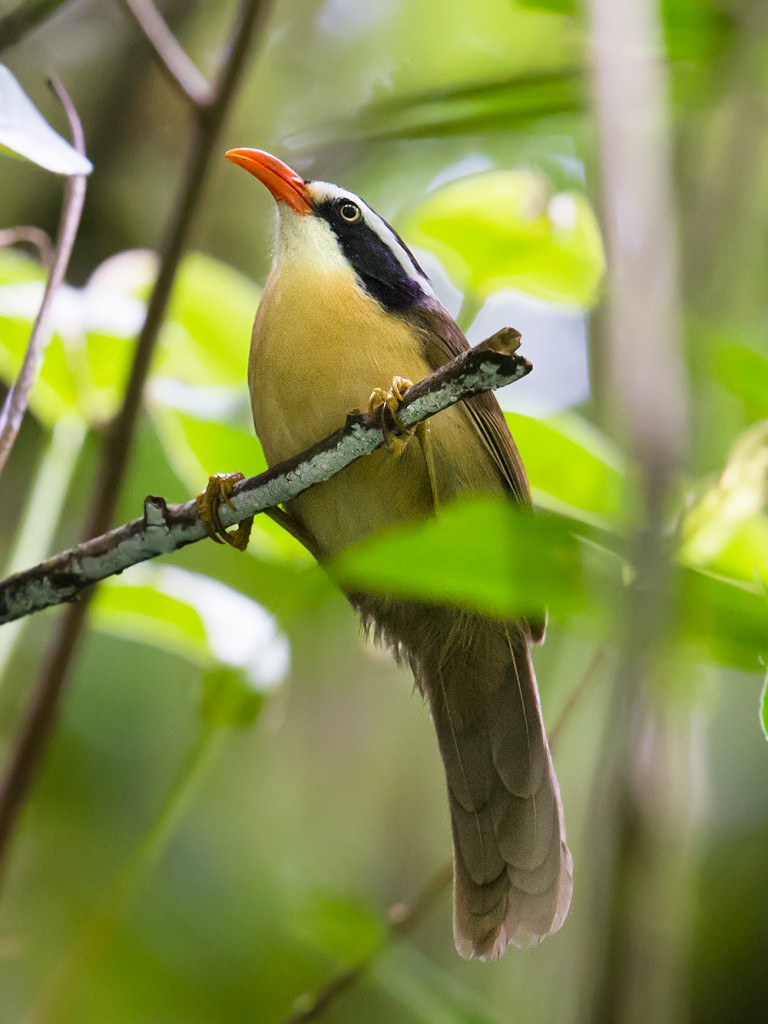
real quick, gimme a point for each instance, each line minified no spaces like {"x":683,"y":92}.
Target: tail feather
{"x":512,"y":869}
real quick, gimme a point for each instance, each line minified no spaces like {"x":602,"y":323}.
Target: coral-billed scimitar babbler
{"x":346,"y":307}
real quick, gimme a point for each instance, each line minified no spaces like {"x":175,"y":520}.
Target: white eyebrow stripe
{"x":326,"y":190}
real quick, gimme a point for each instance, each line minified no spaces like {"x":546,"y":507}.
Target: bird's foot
{"x":218,"y":492}
{"x":396,"y":440}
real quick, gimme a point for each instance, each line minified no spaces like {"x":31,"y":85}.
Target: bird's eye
{"x":349,"y":212}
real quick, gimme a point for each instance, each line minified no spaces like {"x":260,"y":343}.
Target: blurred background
{"x":240,"y":788}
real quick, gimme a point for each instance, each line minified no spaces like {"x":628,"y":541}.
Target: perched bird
{"x":346,"y":307}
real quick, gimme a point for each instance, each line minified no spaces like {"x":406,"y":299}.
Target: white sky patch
{"x":475,"y":163}
{"x":75,"y":312}
{"x":448,"y":295}
{"x":219,"y":403}
{"x":563,"y":211}
{"x":554,"y":339}
{"x":240,"y":631}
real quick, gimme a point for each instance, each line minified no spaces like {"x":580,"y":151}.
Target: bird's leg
{"x":397,"y":442}
{"x":218,"y":492}
{"x":425,"y":441}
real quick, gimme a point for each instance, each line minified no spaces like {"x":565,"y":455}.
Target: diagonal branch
{"x":15,"y":404}
{"x":173,"y":58}
{"x":164,"y":528}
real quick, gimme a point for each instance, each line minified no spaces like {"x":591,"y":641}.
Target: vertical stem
{"x":644,"y":392}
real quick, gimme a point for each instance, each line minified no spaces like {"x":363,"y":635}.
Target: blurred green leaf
{"x":344,"y":930}
{"x":505,"y":229}
{"x":725,"y":618}
{"x":481,"y":553}
{"x":146,"y":614}
{"x":745,"y":373}
{"x":505,"y":105}
{"x":570,"y":463}
{"x":229,"y":699}
{"x":434,"y":994}
{"x":739,"y":495}
{"x":197,"y":446}
{"x":206,"y":338}
{"x":25,"y":132}
{"x":764,"y":708}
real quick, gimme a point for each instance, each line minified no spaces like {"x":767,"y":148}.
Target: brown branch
{"x":178,"y":67}
{"x":39,"y":720}
{"x":491,"y":364}
{"x":15,"y":404}
{"x":22,"y":19}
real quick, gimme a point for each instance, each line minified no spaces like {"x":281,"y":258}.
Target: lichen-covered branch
{"x":165,"y":528}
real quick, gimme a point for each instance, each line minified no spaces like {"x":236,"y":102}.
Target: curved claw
{"x":396,"y":440}
{"x":218,"y":492}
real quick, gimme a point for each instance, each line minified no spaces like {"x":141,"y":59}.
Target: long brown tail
{"x":512,"y":869}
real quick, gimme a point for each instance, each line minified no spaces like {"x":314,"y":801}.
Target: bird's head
{"x":329,"y":228}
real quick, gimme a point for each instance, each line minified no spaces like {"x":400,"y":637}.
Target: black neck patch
{"x":376,"y":266}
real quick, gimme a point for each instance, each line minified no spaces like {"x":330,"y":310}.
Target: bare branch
{"x":15,"y":404}
{"x":172,"y":57}
{"x":30,"y":235}
{"x":165,"y":528}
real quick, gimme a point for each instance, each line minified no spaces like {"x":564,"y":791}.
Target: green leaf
{"x":738,"y":496}
{"x":229,"y":699}
{"x":726,"y":619}
{"x":745,"y":373}
{"x":146,"y":614}
{"x":571,"y":465}
{"x":207,"y":336}
{"x":204,"y":620}
{"x":197,"y":446}
{"x":505,"y":229}
{"x":481,"y":553}
{"x":506,"y":105}
{"x":764,"y":708}
{"x":25,"y":132}
{"x":344,"y":930}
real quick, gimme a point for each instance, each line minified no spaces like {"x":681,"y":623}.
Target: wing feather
{"x":443,"y":340}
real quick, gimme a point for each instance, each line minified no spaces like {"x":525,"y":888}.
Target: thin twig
{"x":30,"y":235}
{"x":181,"y":71}
{"x":22,"y":19}
{"x":591,"y":674}
{"x":492,"y":364}
{"x":405,"y":917}
{"x":15,"y":404}
{"x":40,"y":718}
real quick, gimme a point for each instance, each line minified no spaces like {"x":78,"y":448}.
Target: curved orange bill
{"x":285,"y":185}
